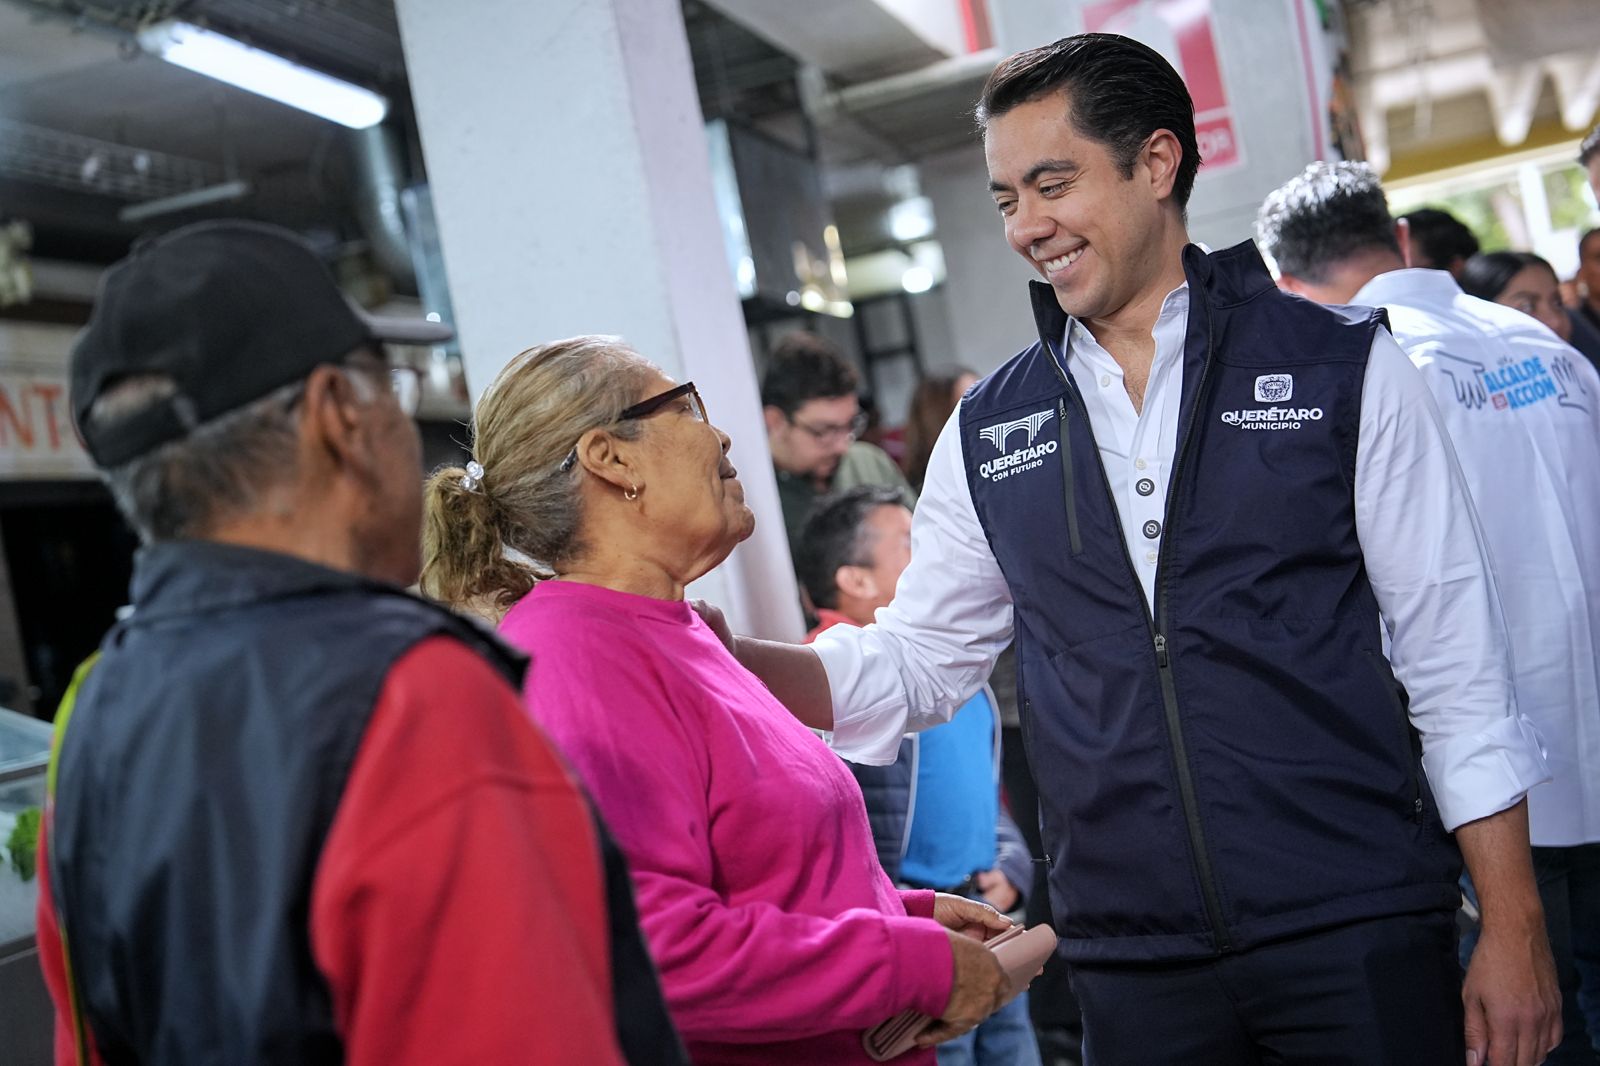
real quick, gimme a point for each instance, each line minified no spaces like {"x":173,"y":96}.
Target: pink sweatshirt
{"x":778,"y":936}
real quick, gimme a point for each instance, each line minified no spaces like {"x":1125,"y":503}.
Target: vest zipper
{"x":1169,"y":689}
{"x":1068,"y":488}
{"x":1204,"y":871}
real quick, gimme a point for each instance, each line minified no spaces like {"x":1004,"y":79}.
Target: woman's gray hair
{"x":524,"y":518}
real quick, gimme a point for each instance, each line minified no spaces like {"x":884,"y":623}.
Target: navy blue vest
{"x":207,"y":755}
{"x":1235,"y":765}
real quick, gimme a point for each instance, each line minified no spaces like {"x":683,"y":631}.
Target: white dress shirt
{"x":1523,"y":410}
{"x":936,"y":643}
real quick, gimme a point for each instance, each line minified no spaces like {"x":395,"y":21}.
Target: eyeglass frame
{"x":850,"y":431}
{"x":407,"y":399}
{"x":647,"y":407}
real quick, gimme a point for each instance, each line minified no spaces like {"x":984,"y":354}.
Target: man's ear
{"x":1163,"y":155}
{"x":335,"y":420}
{"x":1402,"y":236}
{"x":604,"y":456}
{"x":774,"y":417}
{"x":1290,"y":283}
{"x":856,"y":582}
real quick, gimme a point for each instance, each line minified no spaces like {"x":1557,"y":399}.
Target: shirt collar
{"x":1175,"y":305}
{"x":1408,"y":286}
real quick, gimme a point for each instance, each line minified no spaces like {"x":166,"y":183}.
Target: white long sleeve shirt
{"x":936,"y":643}
{"x":1523,"y":411}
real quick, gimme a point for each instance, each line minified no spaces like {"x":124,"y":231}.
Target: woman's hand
{"x":968,"y":917}
{"x":978,"y":987}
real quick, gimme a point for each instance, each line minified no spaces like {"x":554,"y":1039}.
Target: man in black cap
{"x":299,"y":816}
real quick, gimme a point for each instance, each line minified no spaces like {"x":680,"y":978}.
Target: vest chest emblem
{"x":1027,"y":456}
{"x":1276,"y":390}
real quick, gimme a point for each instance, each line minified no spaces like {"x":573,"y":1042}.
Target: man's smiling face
{"x":1089,"y":230}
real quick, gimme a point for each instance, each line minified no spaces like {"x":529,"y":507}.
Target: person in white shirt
{"x":1523,"y":410}
{"x":1191,"y":503}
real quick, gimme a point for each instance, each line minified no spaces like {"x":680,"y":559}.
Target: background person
{"x":778,"y":936}
{"x":808,"y":398}
{"x":1588,"y":278}
{"x":1528,"y":283}
{"x":936,"y":815}
{"x":1228,"y":772}
{"x":1589,"y":159}
{"x":1437,"y":240}
{"x":299,"y":815}
{"x":935,"y":398}
{"x":1523,"y":411}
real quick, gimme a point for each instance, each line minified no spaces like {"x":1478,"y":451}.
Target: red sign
{"x":1181,"y":31}
{"x":36,"y":435}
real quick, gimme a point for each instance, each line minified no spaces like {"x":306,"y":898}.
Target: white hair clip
{"x":473,"y":477}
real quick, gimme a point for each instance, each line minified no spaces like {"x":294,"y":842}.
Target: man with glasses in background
{"x":296,"y":814}
{"x":808,"y":397}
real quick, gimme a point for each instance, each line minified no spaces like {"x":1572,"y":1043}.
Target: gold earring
{"x":632,"y":493}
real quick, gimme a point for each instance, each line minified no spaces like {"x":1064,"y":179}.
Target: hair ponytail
{"x":464,"y":560}
{"x":484,"y":548}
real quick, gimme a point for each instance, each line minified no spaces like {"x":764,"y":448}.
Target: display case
{"x":25,"y":1015}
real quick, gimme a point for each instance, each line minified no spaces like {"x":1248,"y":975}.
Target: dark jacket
{"x":1233,"y":763}
{"x":208,"y":752}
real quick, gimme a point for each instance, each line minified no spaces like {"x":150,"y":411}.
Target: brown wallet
{"x":1022,"y":954}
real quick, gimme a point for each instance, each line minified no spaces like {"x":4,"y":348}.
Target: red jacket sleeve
{"x":459,"y":911}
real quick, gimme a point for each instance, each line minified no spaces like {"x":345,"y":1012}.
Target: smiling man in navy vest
{"x":1195,"y":503}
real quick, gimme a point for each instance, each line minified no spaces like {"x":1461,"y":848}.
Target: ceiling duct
{"x":379,"y":184}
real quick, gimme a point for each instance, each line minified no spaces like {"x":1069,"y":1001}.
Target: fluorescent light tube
{"x":216,"y":56}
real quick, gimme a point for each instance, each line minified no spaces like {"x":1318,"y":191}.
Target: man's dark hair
{"x":1486,"y":275}
{"x":805,"y":366}
{"x":1588,"y":235}
{"x":834,"y":536}
{"x":1321,"y":217}
{"x":1438,"y":238}
{"x":1118,"y":92}
{"x":1589,"y":148}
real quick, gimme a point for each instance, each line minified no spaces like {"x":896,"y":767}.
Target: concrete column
{"x":568,"y":163}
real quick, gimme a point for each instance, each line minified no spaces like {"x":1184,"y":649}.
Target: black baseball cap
{"x":229,"y":311}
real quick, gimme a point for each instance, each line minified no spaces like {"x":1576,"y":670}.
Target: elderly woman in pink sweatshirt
{"x":778,"y":936}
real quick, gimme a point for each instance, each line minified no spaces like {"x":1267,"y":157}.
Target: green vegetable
{"x":24,"y":843}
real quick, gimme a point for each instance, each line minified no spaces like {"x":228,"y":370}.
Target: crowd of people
{"x":1287,"y":589}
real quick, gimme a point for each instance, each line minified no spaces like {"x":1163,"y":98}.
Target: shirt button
{"x":1152,"y":529}
{"x":1149,"y":557}
{"x":1139,"y":464}
{"x":1145,"y":486}
{"x":1105,"y":381}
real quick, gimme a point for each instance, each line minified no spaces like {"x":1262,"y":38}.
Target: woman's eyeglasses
{"x":646,"y":408}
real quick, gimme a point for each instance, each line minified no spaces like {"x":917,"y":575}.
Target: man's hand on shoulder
{"x":713,"y":617}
